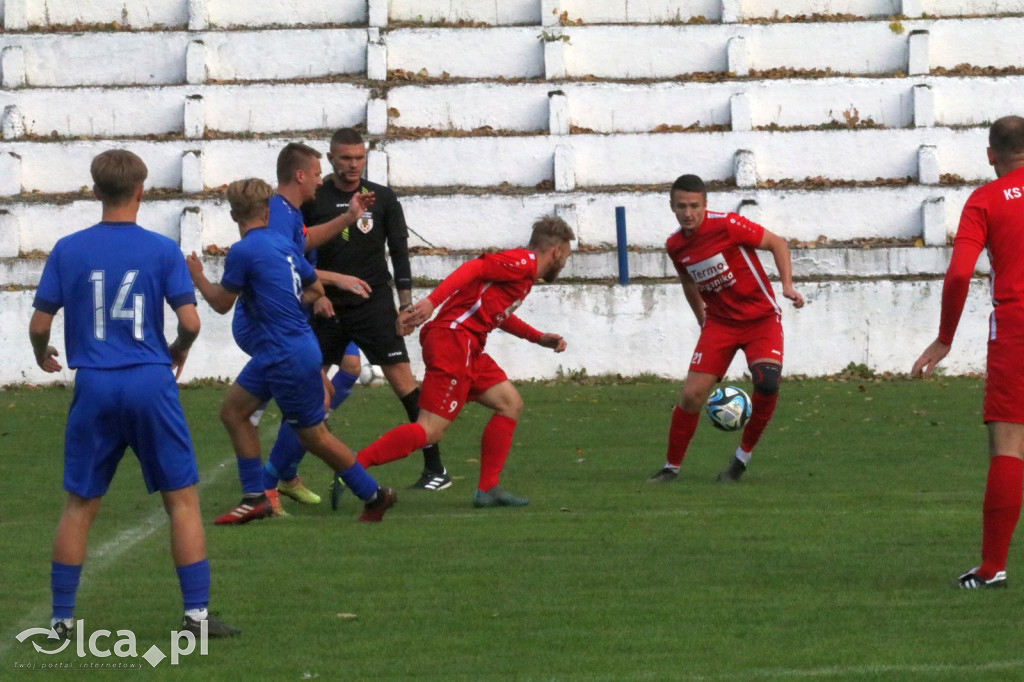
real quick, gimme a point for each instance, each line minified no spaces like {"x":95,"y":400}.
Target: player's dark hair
{"x":294,"y":157}
{"x":689,"y":183}
{"x":548,"y":231}
{"x":346,"y":136}
{"x":248,"y":199}
{"x":116,"y":174}
{"x":1006,"y":136}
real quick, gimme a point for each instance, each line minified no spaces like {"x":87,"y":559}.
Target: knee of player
{"x":433,"y":431}
{"x":766,"y":377}
{"x":693,"y":400}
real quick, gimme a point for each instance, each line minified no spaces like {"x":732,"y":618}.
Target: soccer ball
{"x":729,"y":408}
{"x":371,"y":375}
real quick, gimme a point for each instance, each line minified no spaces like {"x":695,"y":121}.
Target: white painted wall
{"x":232,"y":13}
{"x":229,"y":13}
{"x":631,"y":330}
{"x":467,"y":221}
{"x":602,"y":51}
{"x":511,"y":52}
{"x":602,"y":107}
{"x":136,"y":13}
{"x":493,"y":12}
{"x":640,"y":11}
{"x":67,"y":77}
{"x":158,"y":58}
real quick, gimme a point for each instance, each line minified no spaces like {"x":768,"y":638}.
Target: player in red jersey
{"x":735,"y":307}
{"x":478,"y":297}
{"x":993,"y":219}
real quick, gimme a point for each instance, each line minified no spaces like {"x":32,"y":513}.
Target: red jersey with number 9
{"x":483,"y":293}
{"x":720,"y":257}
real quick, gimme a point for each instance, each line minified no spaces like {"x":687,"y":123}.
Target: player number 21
{"x":118,"y":311}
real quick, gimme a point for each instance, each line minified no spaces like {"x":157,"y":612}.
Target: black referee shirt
{"x":360,"y":249}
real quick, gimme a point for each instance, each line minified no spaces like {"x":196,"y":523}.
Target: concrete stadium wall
{"x":527,"y":161}
{"x":631,"y":330}
{"x":866,"y":124}
{"x":19,"y":14}
{"x":468,"y":222}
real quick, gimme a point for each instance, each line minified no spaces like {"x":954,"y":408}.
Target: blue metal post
{"x":622,"y":244}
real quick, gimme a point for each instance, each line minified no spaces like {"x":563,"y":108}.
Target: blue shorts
{"x":295,"y":383}
{"x":134,"y":407}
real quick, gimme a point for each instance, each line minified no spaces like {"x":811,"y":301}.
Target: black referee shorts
{"x":370,"y":324}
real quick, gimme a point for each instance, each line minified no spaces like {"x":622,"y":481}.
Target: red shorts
{"x":458,"y":371}
{"x":1004,"y":385}
{"x":719,"y":342}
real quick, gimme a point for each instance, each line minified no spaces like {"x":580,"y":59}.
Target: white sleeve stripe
{"x":761,"y":283}
{"x":472,"y":310}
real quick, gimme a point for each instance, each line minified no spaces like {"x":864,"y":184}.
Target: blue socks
{"x":195,"y":584}
{"x":285,"y":456}
{"x":250,"y":473}
{"x":343,"y":383}
{"x":359,"y":482}
{"x":64,"y":581}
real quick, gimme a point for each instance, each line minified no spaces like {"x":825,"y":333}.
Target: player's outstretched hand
{"x":932,"y":355}
{"x":353,"y":284}
{"x":49,"y":363}
{"x":359,"y":204}
{"x":795,"y":296}
{"x":552,"y":341}
{"x":322,"y":307}
{"x":415,"y":315}
{"x":178,"y":357}
{"x":195,"y":266}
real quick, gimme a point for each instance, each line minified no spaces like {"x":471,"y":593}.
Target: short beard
{"x":552,"y":273}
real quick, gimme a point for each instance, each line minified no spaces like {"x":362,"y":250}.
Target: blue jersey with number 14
{"x":112,"y":279}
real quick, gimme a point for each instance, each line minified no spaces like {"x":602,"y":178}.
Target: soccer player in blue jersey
{"x":298,"y":176}
{"x":112,"y":279}
{"x":272,"y":282}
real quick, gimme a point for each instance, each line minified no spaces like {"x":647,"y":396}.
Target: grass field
{"x":832,"y":559}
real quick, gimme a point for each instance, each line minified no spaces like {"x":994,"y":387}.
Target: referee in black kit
{"x":361,"y":251}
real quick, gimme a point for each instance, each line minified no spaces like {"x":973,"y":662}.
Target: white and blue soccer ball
{"x":371,"y":375}
{"x":729,"y":408}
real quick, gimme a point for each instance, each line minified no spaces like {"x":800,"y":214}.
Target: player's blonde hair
{"x":548,"y":231}
{"x":116,"y":175}
{"x":248,"y":199}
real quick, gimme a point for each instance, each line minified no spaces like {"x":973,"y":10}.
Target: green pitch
{"x":832,"y":559}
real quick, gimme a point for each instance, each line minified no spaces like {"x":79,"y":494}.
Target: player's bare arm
{"x":932,"y":356}
{"x":345,"y":282}
{"x":415,"y":315}
{"x":188,"y":332}
{"x":323,"y":308}
{"x":39,"y":333}
{"x":313,"y":292}
{"x":780,"y":252}
{"x":219,"y":298}
{"x":693,"y":297}
{"x":357,"y":205}
{"x":552,"y":341}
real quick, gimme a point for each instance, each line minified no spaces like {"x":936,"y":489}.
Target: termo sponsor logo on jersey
{"x":712,"y":274}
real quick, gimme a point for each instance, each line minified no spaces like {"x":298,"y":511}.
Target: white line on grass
{"x":102,"y":557}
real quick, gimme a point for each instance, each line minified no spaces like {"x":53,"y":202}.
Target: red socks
{"x":762,"y":408}
{"x":395,"y":444}
{"x":1000,"y":512}
{"x":684,"y":425}
{"x":494,"y":446}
